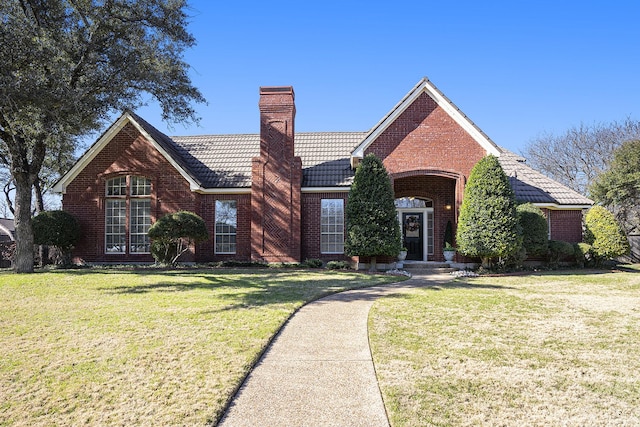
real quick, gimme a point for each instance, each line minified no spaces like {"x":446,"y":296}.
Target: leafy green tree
{"x":59,"y":229}
{"x":535,"y":231}
{"x":618,"y":188}
{"x":173,"y":234}
{"x":372,"y":222}
{"x":488,"y":227}
{"x":66,"y":66}
{"x":604,"y":234}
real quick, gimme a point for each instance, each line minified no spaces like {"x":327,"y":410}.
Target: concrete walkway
{"x":319,"y":371}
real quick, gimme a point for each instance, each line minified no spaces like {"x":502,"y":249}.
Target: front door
{"x":412,"y":235}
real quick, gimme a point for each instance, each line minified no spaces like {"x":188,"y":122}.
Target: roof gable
{"x":160,"y":141}
{"x":425,"y":86}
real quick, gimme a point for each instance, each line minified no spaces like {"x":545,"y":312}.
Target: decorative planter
{"x":448,"y":255}
{"x":401,"y":257}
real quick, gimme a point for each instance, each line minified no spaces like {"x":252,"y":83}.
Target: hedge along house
{"x":280,"y":196}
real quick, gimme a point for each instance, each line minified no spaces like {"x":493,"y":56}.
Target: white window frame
{"x":225,"y":236}
{"x":115,"y":227}
{"x":332,"y":226}
{"x":139,"y":225}
{"x":128,"y":192}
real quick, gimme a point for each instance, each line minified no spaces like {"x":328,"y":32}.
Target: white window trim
{"x":127,"y":197}
{"x":216,"y":234}
{"x":332,"y":233}
{"x":428,"y":234}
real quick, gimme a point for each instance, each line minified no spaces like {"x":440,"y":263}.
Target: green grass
{"x":552,"y":349}
{"x":103,"y":347}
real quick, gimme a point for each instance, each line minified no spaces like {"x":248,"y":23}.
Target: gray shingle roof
{"x":529,"y":185}
{"x":224,"y":161}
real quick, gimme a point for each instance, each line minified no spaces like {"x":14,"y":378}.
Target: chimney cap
{"x":264,"y":90}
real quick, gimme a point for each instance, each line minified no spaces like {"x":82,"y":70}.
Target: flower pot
{"x":401,"y":257}
{"x":448,"y":255}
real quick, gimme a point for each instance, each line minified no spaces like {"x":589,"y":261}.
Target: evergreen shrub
{"x":59,"y":229}
{"x":488,"y":227}
{"x":604,"y":234}
{"x":174,"y":233}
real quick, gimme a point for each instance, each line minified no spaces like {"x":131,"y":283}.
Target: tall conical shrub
{"x":488,"y":226}
{"x":372,"y":223}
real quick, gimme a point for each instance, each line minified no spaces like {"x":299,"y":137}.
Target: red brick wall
{"x":426,"y":137}
{"x":566,"y":225}
{"x":128,"y":153}
{"x":276,"y":181}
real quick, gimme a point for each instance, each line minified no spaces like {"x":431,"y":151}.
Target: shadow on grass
{"x":241,"y":288}
{"x":456,"y":284}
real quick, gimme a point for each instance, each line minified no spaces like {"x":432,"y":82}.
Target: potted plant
{"x":449,"y":252}
{"x":401,"y":257}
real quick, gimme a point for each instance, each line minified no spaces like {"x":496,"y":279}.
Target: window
{"x":332,"y":226}
{"x":140,"y":224}
{"x":115,"y":226}
{"x":413,"y":202}
{"x":226,"y":225}
{"x":134,"y":191}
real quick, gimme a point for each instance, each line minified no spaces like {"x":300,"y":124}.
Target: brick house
{"x":280,"y":196}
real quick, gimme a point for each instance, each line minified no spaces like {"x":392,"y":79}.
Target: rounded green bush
{"x":338,"y":265}
{"x":604,"y":234}
{"x":535,"y":231}
{"x":559,"y":250}
{"x":582,"y":252}
{"x":174,"y":233}
{"x":59,"y":229}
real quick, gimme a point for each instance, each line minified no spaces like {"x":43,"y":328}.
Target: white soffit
{"x":425,"y":86}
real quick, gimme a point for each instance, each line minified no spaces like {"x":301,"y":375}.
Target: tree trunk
{"x":24,"y":231}
{"x":43,"y":250}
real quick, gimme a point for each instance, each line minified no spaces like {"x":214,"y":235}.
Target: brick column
{"x":276,"y":181}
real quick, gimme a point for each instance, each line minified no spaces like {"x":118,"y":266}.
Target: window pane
{"x":117,"y":186}
{"x":140,"y":186}
{"x":115,"y":229}
{"x":412,"y":202}
{"x":140,"y":224}
{"x":332,"y":226}
{"x":226,"y":226}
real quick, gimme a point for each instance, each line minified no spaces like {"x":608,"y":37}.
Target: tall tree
{"x":488,"y":225}
{"x":618,"y":188}
{"x":576,"y":157}
{"x":66,"y":65}
{"x":372,"y":222}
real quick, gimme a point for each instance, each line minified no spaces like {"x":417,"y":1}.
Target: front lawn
{"x":102,"y":347}
{"x":551,"y":349}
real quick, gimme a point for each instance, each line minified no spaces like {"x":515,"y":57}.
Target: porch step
{"x":425,"y":265}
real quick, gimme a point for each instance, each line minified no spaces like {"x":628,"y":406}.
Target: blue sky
{"x":516,"y":68}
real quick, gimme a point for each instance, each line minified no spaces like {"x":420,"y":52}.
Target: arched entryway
{"x":425,"y":202}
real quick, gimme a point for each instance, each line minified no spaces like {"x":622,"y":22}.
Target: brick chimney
{"x":276,"y":181}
